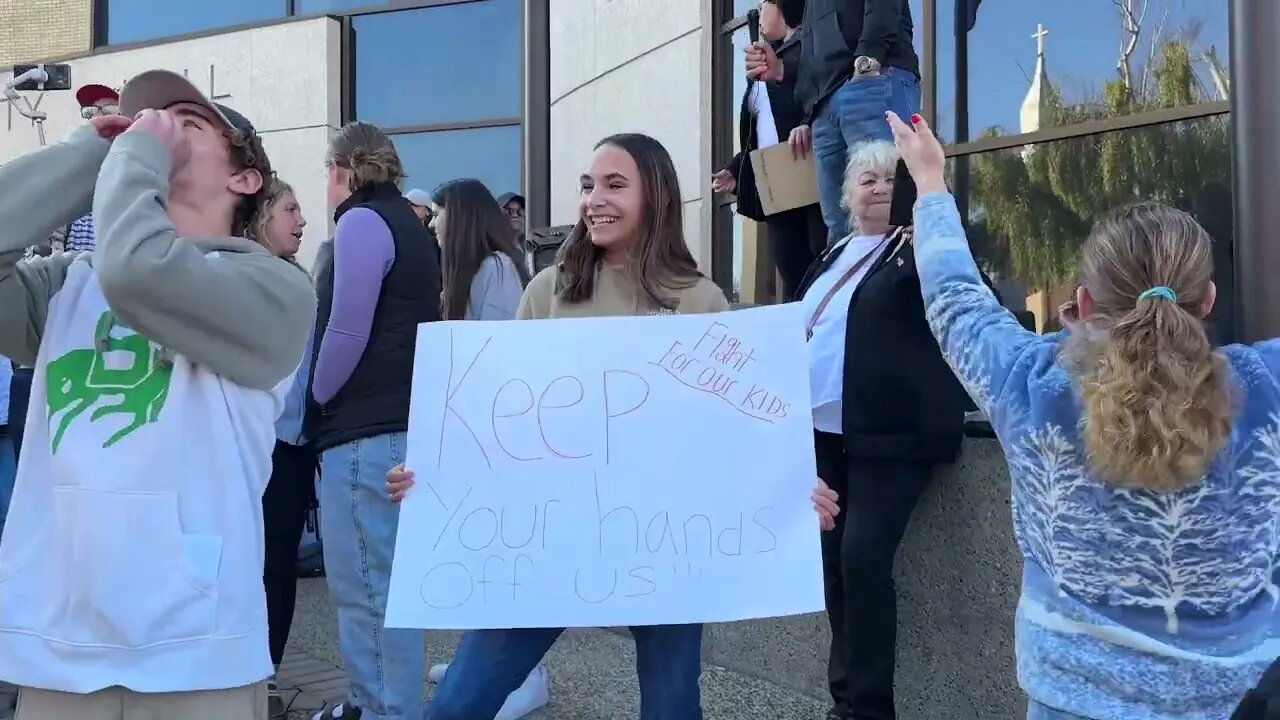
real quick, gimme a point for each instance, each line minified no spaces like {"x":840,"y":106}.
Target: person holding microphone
{"x":769,"y":115}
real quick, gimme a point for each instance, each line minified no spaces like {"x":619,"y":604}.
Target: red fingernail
{"x":916,"y":119}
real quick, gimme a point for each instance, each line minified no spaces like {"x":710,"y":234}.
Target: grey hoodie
{"x":225,"y":303}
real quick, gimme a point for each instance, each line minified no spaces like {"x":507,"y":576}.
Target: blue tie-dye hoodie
{"x":1135,"y":605}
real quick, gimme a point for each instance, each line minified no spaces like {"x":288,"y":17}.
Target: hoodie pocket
{"x":124,"y":574}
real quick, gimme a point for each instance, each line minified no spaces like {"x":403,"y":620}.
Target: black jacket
{"x":901,"y":400}
{"x":786,"y":116}
{"x":375,"y":400}
{"x":835,"y":33}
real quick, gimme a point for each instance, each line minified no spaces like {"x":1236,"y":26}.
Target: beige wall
{"x":285,"y":78}
{"x":32,"y":30}
{"x":631,"y":66}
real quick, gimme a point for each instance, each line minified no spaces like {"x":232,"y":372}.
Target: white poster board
{"x":609,"y":472}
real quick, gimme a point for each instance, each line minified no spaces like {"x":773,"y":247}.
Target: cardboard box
{"x":783,"y":182}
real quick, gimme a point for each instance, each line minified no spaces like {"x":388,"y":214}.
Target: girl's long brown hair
{"x":1158,"y":398}
{"x":475,"y":229}
{"x":660,"y":259}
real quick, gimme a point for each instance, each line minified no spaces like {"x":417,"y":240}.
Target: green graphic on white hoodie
{"x":80,"y":380}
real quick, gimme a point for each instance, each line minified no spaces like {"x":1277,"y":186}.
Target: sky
{"x":1081,"y":49}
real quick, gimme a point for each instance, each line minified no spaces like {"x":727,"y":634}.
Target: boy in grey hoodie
{"x":131,"y":565}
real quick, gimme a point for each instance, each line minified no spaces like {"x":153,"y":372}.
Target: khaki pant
{"x":245,"y":703}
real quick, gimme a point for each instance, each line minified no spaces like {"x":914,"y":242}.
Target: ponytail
{"x":1158,"y":397}
{"x":1157,"y":400}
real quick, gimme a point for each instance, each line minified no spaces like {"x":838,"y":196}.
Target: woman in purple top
{"x":376,"y":284}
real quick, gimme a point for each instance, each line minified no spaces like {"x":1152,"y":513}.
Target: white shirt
{"x":762,"y":111}
{"x":132,"y":554}
{"x":826,"y":347}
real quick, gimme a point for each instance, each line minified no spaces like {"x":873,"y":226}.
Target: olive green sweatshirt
{"x":615,"y":294}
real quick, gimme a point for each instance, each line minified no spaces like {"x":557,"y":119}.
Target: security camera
{"x":35,"y":78}
{"x":40,"y":77}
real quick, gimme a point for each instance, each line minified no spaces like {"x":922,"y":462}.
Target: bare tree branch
{"x":1157,"y":41}
{"x":1132,"y":13}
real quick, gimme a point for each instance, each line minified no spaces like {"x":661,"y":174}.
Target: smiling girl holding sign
{"x":626,"y":257}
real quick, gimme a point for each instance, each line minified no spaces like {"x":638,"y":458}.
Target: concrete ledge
{"x":958,"y":578}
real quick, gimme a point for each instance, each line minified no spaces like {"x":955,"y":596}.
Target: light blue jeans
{"x":490,"y":664}
{"x":358,"y":522}
{"x":1039,"y":711}
{"x":8,"y":472}
{"x":855,"y":114}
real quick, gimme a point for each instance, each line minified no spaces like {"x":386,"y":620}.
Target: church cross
{"x":1038,"y":35}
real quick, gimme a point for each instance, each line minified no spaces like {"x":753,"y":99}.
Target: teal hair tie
{"x":1159,"y":291}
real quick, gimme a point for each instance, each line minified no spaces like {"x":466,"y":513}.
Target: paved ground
{"x":592,"y":674}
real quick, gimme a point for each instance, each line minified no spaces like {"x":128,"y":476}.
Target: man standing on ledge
{"x":131,"y":567}
{"x":856,"y":62}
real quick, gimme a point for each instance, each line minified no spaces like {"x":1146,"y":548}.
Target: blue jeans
{"x":8,"y":471}
{"x":490,"y":664}
{"x":358,"y":522}
{"x":1038,"y":711}
{"x":855,"y":114}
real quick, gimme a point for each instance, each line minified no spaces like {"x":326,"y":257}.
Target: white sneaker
{"x":530,"y":696}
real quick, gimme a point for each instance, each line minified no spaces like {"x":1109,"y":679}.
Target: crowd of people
{"x":189,"y":381}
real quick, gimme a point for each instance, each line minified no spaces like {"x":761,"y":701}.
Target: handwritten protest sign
{"x":606,"y":472}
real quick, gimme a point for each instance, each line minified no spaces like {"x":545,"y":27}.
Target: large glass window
{"x":130,"y":21}
{"x":436,"y":65}
{"x":491,"y":155}
{"x":1030,"y":208}
{"x":1041,"y":63}
{"x":446,"y":82}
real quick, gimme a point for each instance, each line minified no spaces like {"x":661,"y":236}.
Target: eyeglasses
{"x":93,"y":111}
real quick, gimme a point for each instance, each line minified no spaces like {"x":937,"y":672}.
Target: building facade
{"x":443,"y":77}
{"x":1051,"y":113}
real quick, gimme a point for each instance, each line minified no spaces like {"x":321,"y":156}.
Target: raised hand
{"x":167,"y":128}
{"x":763,"y":63}
{"x":109,"y":127}
{"x":921,"y":151}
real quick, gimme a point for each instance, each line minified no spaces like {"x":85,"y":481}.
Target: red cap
{"x":91,"y":95}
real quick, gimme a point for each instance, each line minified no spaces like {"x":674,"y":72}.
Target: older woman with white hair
{"x":886,"y":411}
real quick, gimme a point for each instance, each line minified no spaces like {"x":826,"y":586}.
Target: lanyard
{"x":844,"y":280}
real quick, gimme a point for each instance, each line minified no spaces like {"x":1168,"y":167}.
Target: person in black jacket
{"x":886,"y":411}
{"x":769,"y":114}
{"x":855,"y":63}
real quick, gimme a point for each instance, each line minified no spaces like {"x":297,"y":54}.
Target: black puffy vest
{"x":375,"y":400}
